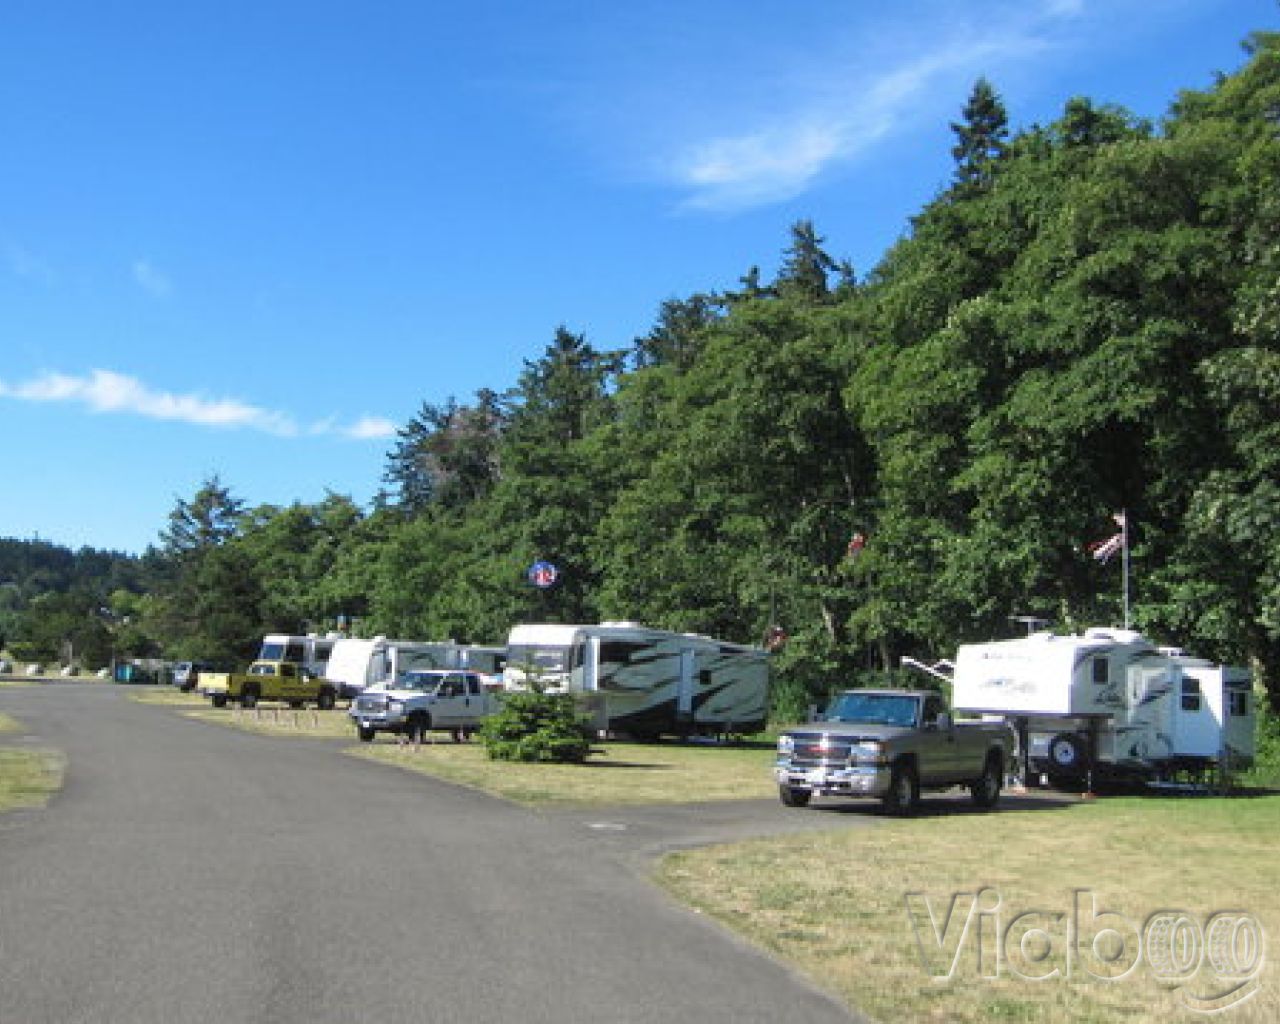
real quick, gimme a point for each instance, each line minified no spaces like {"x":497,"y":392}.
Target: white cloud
{"x":104,"y":391}
{"x":151,"y":279}
{"x":851,"y":101}
{"x":369,"y":428}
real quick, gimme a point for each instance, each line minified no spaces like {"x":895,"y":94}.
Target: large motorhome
{"x":645,"y":682}
{"x":310,"y":651}
{"x":356,"y":663}
{"x":1109,"y":699}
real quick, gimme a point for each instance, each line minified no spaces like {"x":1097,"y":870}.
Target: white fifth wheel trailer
{"x":357,"y":663}
{"x":1109,"y":700}
{"x":645,"y":682}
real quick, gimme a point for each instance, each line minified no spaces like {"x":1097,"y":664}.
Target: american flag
{"x":1102,"y":550}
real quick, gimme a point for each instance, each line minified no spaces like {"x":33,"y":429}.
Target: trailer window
{"x":1101,"y":671}
{"x":1190,"y":694}
{"x":540,"y":659}
{"x":1238,"y":703}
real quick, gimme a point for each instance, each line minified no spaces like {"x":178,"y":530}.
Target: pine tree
{"x":980,"y":138}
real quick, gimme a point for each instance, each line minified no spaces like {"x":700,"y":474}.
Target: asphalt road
{"x":190,"y":873}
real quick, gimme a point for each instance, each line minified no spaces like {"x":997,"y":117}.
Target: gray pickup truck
{"x":891,"y":744}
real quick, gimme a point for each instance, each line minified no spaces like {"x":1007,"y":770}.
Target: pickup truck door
{"x":450,"y":706}
{"x":939,"y":754}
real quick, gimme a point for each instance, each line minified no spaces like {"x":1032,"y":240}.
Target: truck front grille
{"x":814,"y":750}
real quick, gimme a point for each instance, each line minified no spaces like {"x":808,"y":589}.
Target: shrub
{"x":533,"y":726}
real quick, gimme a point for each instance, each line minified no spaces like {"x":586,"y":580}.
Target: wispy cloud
{"x":25,"y":264}
{"x":858,"y":93}
{"x":150,"y":279}
{"x":104,"y":391}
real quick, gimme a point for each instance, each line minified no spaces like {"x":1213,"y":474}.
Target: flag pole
{"x":1124,"y":554}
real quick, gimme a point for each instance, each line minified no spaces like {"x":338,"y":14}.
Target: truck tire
{"x":793,"y":797}
{"x":366,"y":733}
{"x":326,"y":700}
{"x":249,"y":697}
{"x":985,"y":789}
{"x":1066,"y":758}
{"x":904,"y":791}
{"x":219,"y":700}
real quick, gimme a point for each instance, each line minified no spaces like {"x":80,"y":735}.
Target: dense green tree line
{"x":1085,"y":320}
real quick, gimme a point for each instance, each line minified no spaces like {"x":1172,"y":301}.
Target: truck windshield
{"x":874,"y":709}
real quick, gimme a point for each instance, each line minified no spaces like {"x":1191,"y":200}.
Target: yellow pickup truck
{"x":268,"y":680}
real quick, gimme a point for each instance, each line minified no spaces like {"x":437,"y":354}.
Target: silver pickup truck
{"x":891,"y":744}
{"x":424,"y":700}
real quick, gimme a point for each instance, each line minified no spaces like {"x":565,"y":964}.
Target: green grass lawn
{"x":621,"y":773}
{"x":836,"y":904}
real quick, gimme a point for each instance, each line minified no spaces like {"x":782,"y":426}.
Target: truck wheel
{"x":986,"y":788}
{"x":326,"y":700}
{"x":249,"y":698}
{"x":219,"y":700}
{"x":904,"y":791}
{"x":366,"y":734}
{"x":295,"y":704}
{"x":793,"y":797}
{"x":418,"y":726}
{"x":1066,"y":757}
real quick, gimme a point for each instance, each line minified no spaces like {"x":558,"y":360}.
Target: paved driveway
{"x":192,"y":873}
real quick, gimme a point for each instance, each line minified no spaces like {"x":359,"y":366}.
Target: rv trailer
{"x":645,"y":682}
{"x":357,"y":663}
{"x":1109,"y":700}
{"x":310,"y":651}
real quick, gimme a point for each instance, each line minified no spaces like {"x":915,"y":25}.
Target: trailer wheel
{"x":366,"y":733}
{"x":986,"y":788}
{"x":219,"y":700}
{"x":1066,"y":757}
{"x":904,"y":791}
{"x":793,"y":797}
{"x":326,"y":699}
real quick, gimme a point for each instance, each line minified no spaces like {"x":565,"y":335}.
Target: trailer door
{"x":1196,"y":732}
{"x":684,"y":690}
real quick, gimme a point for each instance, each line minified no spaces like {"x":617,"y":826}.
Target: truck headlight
{"x":867,"y":751}
{"x":786,"y":746}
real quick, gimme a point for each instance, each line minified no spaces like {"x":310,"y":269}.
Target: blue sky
{"x":251,"y":237}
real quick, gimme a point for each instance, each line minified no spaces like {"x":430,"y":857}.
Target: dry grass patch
{"x":280,"y":721}
{"x":166,"y":696}
{"x":28,"y":777}
{"x":9,"y":724}
{"x":835,"y":904}
{"x":621,"y":773}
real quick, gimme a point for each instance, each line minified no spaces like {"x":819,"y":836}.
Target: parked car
{"x":186,"y":674}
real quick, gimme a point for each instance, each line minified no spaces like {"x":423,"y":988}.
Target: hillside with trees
{"x":1085,"y":320}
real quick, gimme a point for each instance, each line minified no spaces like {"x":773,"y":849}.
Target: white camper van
{"x":642,"y":681}
{"x":1109,"y":699}
{"x":310,"y":651}
{"x":356,"y":664}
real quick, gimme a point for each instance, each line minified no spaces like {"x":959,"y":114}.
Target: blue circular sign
{"x":543,"y":574}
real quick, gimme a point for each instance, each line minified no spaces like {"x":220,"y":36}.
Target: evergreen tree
{"x":980,"y":138}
